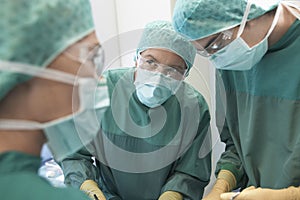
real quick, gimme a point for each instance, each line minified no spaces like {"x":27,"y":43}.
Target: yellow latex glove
{"x":170,"y":195}
{"x":225,"y":182}
{"x":91,"y":188}
{"x":252,"y":193}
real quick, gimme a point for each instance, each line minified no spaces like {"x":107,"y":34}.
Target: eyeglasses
{"x":151,"y":65}
{"x":87,"y":54}
{"x":221,"y":40}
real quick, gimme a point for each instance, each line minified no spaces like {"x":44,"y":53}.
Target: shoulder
{"x":25,"y":182}
{"x":117,"y":72}
{"x":67,"y":193}
{"x":113,"y":76}
{"x":191,"y":93}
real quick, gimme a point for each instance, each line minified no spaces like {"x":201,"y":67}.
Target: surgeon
{"x":48,"y":86}
{"x":155,"y":141}
{"x":254,"y":46}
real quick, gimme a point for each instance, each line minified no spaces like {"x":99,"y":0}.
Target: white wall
{"x":119,"y":23}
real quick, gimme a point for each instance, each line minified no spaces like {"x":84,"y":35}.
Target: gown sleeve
{"x":79,"y":167}
{"x":193,"y":169}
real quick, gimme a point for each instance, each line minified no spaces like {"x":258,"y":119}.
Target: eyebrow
{"x":93,"y":46}
{"x":149,"y":55}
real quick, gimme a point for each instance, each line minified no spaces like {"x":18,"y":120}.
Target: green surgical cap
{"x":196,"y":19}
{"x":161,"y":34}
{"x":35,"y":32}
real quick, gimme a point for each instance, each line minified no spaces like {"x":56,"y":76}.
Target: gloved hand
{"x":252,"y":193}
{"x":91,"y":188}
{"x":225,"y":182}
{"x":170,"y":195}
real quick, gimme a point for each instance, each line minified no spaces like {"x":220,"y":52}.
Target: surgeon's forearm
{"x":225,"y":182}
{"x":91,"y":188}
{"x":291,"y":193}
{"x":252,"y":193}
{"x":229,"y":178}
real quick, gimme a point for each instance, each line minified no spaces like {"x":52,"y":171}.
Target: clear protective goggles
{"x":151,"y":65}
{"x":216,"y":43}
{"x":87,"y":54}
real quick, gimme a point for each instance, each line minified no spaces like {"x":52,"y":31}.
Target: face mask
{"x":68,"y":134}
{"x":154,"y":88}
{"x":237,"y":55}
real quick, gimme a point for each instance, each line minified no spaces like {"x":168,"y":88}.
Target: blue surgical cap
{"x":196,"y":19}
{"x":35,"y":32}
{"x":161,"y":34}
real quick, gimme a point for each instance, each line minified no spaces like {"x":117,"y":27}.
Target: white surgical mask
{"x":237,"y":55}
{"x":154,"y":88}
{"x":67,"y":134}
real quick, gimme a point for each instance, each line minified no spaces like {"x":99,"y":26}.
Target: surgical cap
{"x":35,"y":32}
{"x":196,"y":19}
{"x":161,"y":34}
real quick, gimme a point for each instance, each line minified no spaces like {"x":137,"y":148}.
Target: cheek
{"x":200,"y":44}
{"x":254,"y":34}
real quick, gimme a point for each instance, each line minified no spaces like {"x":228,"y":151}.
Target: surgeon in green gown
{"x":254,"y":46}
{"x":40,"y":73}
{"x":155,"y":140}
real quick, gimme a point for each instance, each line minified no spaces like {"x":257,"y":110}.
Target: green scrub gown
{"x":19,"y":180}
{"x":262,"y":126}
{"x":146,"y":177}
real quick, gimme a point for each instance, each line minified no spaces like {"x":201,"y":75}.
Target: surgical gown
{"x":19,"y":180}
{"x":258,"y":114}
{"x":142,"y":168}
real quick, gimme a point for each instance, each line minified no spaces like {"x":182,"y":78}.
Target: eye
{"x":150,"y":62}
{"x":170,"y":70}
{"x":211,"y":42}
